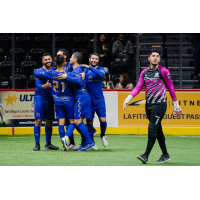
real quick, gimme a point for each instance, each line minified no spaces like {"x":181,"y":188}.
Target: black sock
{"x":71,"y":138}
{"x":37,"y":143}
{"x":150,"y":143}
{"x":48,"y":142}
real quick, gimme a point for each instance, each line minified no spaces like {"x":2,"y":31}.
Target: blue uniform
{"x":94,"y":86}
{"x":43,"y":100}
{"x":61,"y":90}
{"x":82,"y":107}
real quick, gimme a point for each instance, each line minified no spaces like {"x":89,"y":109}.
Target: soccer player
{"x":63,"y":97}
{"x":157,"y":80}
{"x":44,"y":105}
{"x":82,"y":107}
{"x":94,"y":86}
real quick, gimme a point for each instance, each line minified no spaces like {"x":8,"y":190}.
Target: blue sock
{"x":67,"y":123}
{"x":83,"y":142}
{"x":84,"y":130}
{"x":48,"y":131}
{"x":103,"y":126}
{"x":90,"y":130}
{"x":61,"y":131}
{"x":37,"y":134}
{"x":70,"y":129}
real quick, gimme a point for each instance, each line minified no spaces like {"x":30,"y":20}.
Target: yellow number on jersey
{"x":63,"y":86}
{"x":55,"y":86}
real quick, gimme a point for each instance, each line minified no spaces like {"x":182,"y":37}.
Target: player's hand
{"x":127,"y":100}
{"x":47,"y":85}
{"x":177,"y":110}
{"x":86,"y":66}
{"x":62,"y":76}
{"x":82,"y":75}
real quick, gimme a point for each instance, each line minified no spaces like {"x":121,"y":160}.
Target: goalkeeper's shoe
{"x":87,"y":147}
{"x":37,"y":147}
{"x":94,"y":132}
{"x":164,"y":158}
{"x":104,"y":141}
{"x":63,"y":140}
{"x":51,"y":147}
{"x":142,"y":158}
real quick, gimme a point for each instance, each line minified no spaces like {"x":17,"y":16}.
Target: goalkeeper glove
{"x":127,"y":100}
{"x":177,"y":110}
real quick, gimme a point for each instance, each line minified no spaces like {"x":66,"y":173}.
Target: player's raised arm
{"x":135,"y":91}
{"x":99,"y":73}
{"x":77,"y":80}
{"x":168,"y":82}
{"x":46,"y":74}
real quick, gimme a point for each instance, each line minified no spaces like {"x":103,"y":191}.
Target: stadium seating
{"x":24,"y":42}
{"x":81,"y":42}
{"x":20,"y":56}
{"x":6,"y":70}
{"x":5,"y":43}
{"x":36,"y":55}
{"x":27,"y":68}
{"x":62,"y":42}
{"x":31,"y":82}
{"x":1,"y":55}
{"x":20,"y":82}
{"x":118,"y":67}
{"x":43,"y":42}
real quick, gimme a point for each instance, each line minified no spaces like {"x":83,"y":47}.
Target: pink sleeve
{"x":168,"y":82}
{"x":139,"y":85}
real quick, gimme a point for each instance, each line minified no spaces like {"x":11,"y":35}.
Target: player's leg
{"x":101,"y":112}
{"x":90,"y":128}
{"x":71,"y":138}
{"x":161,"y":140}
{"x":39,"y":107}
{"x":49,"y":117}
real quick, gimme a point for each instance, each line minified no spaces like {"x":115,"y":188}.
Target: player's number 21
{"x":55,"y":87}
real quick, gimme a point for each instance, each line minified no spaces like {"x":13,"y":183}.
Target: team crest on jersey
{"x":168,"y":75}
{"x":156,"y":75}
{"x":90,"y":77}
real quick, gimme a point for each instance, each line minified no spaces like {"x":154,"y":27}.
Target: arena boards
{"x":18,"y":113}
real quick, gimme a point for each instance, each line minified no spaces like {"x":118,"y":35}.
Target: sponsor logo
{"x":156,"y":75}
{"x":10,"y":99}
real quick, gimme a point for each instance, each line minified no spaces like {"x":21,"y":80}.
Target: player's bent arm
{"x":39,"y":74}
{"x":135,"y":91}
{"x":168,"y":82}
{"x":99,"y":73}
{"x":75,"y":80}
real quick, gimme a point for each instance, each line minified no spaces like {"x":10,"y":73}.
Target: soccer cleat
{"x":87,"y":147}
{"x":94,"y":132}
{"x":142,"y":158}
{"x":104,"y":141}
{"x":71,"y":147}
{"x":66,"y":140}
{"x":51,"y":147}
{"x":93,"y":147}
{"x":37,"y":147}
{"x":79,"y":149}
{"x":164,"y":158}
{"x":63,"y":140}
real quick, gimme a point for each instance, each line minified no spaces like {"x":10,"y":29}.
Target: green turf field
{"x":121,"y":151}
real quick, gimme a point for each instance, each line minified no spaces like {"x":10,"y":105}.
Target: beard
{"x":93,"y":65}
{"x":46,"y":65}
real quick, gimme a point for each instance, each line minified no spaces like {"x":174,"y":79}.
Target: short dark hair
{"x":46,"y":54}
{"x":155,"y":50}
{"x":66,"y":53}
{"x":59,"y":59}
{"x":95,"y":54}
{"x":78,"y":56}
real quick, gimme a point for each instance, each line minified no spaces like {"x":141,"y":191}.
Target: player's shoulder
{"x":53,"y":68}
{"x":100,"y":68}
{"x":163,"y":69}
{"x":144,"y":70}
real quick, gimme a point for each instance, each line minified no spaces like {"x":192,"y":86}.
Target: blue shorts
{"x":66,"y":111}
{"x":43,"y":108}
{"x":82,"y":107}
{"x":100,"y":109}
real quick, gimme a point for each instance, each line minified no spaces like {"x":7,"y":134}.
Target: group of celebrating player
{"x":76,"y":91}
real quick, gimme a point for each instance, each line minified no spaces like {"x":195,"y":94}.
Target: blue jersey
{"x":39,"y":92}
{"x":68,"y":67}
{"x":79,"y":88}
{"x":94,"y":84}
{"x":61,"y":89}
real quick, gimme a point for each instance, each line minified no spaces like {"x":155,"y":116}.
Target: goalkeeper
{"x":157,"y":80}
